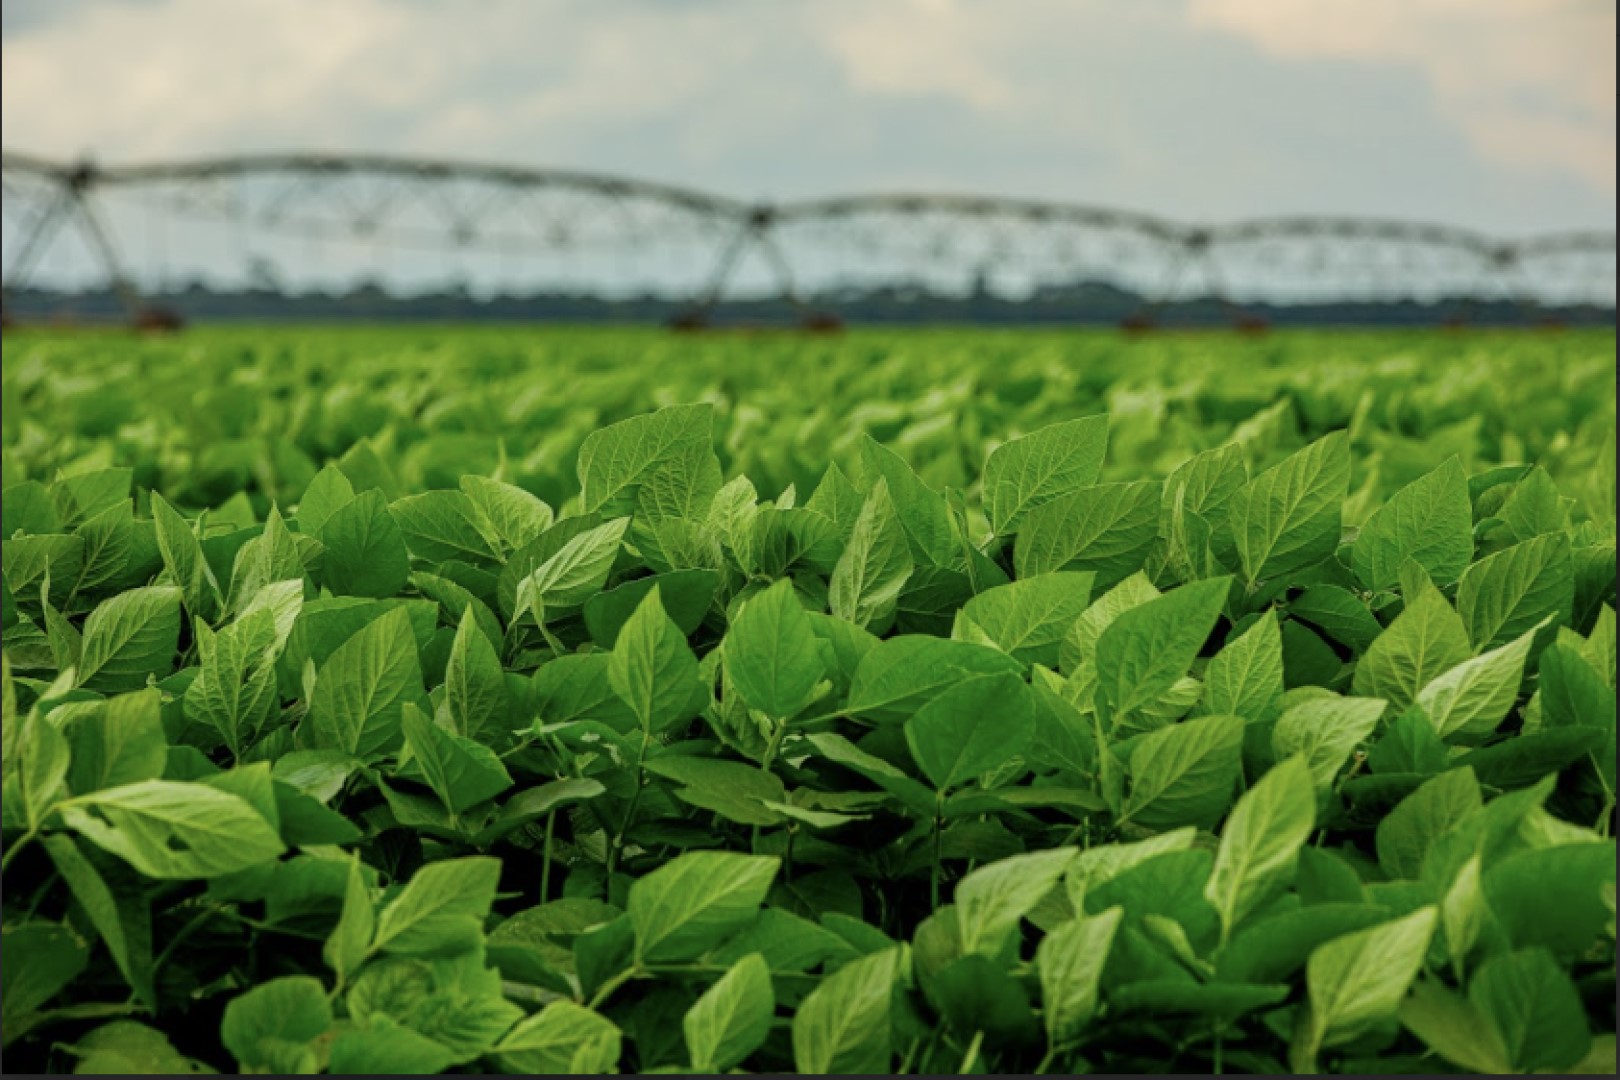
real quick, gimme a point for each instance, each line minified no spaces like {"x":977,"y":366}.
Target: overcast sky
{"x":1497,"y":114}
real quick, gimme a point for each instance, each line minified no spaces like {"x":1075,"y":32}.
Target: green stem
{"x":606,"y":990}
{"x":972,"y":1056}
{"x":773,"y":746}
{"x":630,"y":811}
{"x":545,"y":864}
{"x":1046,"y":1060}
{"x":934,"y":863}
{"x":11,"y":853}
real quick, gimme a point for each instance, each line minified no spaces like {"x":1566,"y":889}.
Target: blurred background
{"x":702,"y":161}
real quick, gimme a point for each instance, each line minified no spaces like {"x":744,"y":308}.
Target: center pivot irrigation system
{"x":272,"y":219}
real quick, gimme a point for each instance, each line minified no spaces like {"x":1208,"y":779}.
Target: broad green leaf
{"x":1324,"y":731}
{"x":1024,"y":473}
{"x":364,"y":685}
{"x":235,"y":689}
{"x":347,"y":947}
{"x":1427,"y":638}
{"x":385,"y":1048}
{"x":1071,"y":960}
{"x":461,"y":771}
{"x":1080,"y":643}
{"x":843,"y":1026}
{"x":1471,"y":699}
{"x":1514,"y":591}
{"x":561,"y":1039}
{"x":696,"y":900}
{"x":271,"y":1027}
{"x":971,"y":728}
{"x":129,"y":638}
{"x":183,"y":557}
{"x":126,"y":1048}
{"x":328,"y":492}
{"x":902,"y":674}
{"x":1147,"y":648}
{"x":735,"y":791}
{"x":90,"y":889}
{"x":991,"y":900}
{"x":576,"y":571}
{"x":116,"y":742}
{"x":1429,"y":521}
{"x":1532,"y":1005}
{"x":1026,"y":618}
{"x":442,"y":911}
{"x":1407,"y":832}
{"x":175,"y":830}
{"x":37,"y":960}
{"x":876,"y":562}
{"x":732,"y":1018}
{"x":1288,"y":517}
{"x":442,"y":525}
{"x":685,"y":594}
{"x":365,"y":550}
{"x":517,"y":516}
{"x":1260,"y":841}
{"x":615,"y":462}
{"x":1358,"y":981}
{"x":923,"y":512}
{"x":771,"y":652}
{"x":1106,"y":529}
{"x":653,"y":670}
{"x":1184,"y":774}
{"x":1246,"y":677}
{"x":477,"y":704}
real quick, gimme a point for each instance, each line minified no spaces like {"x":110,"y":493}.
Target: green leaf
{"x":867,"y":580}
{"x":175,"y":830}
{"x":685,"y":594}
{"x":37,"y":960}
{"x":1358,"y":981}
{"x":130,"y":637}
{"x":477,"y":705}
{"x":1429,"y":521}
{"x":1517,"y":889}
{"x":271,"y":1027}
{"x":1246,"y":677}
{"x":125,"y":1048}
{"x":119,"y":741}
{"x":365,"y":550}
{"x":913,"y":795}
{"x":1147,"y":648}
{"x":1071,"y":960}
{"x":384,"y":1048}
{"x":517,"y":517}
{"x":1534,"y":1009}
{"x":1107,"y":529}
{"x":1427,"y":638}
{"x":442,"y":525}
{"x":1024,"y":473}
{"x":1080,"y":643}
{"x":90,"y":889}
{"x":652,"y":669}
{"x":442,"y":911}
{"x":1184,"y":774}
{"x":694,"y":901}
{"x":970,"y":728}
{"x":771,"y":652}
{"x":923,"y":512}
{"x":615,"y":462}
{"x":843,"y":1026}
{"x":348,"y":945}
{"x":235,"y":689}
{"x":461,"y":772}
{"x":183,"y":557}
{"x":732,"y":1018}
{"x":1260,"y":841}
{"x":1471,"y":699}
{"x":1026,"y":618}
{"x":328,"y":492}
{"x":902,"y":674}
{"x":363,"y":687}
{"x":561,"y":1039}
{"x":735,"y":791}
{"x":577,"y":570}
{"x":1514,"y":591}
{"x":1324,"y":731}
{"x":991,"y":900}
{"x":1407,"y":832}
{"x":1288,"y":517}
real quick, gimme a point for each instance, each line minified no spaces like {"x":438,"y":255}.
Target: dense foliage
{"x":541,"y":703}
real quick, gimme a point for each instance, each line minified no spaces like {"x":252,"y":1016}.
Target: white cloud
{"x":1530,"y":82}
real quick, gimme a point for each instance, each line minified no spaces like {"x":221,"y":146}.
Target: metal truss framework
{"x":810,"y":253}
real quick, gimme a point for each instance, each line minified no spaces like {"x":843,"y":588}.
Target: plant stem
{"x":972,"y":1056}
{"x":606,"y":990}
{"x":11,"y":852}
{"x":773,"y":745}
{"x":1046,"y":1060}
{"x":545,"y":864}
{"x":934,"y":867}
{"x":630,"y":811}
